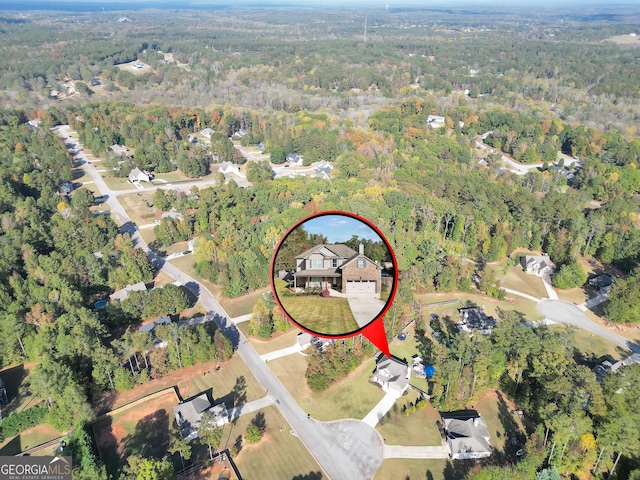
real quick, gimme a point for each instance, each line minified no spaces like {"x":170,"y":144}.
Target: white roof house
{"x":123,"y":293}
{"x":228,"y":167}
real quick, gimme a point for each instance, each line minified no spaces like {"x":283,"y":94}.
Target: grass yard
{"x":593,"y":347}
{"x":329,"y":316}
{"x":490,"y":305}
{"x":413,"y":469}
{"x":495,"y":408}
{"x":576,"y":296}
{"x":144,"y":430}
{"x":349,"y":397}
{"x":278,"y":455}
{"x":277,"y":342}
{"x":147,"y":235}
{"x":115,"y":183}
{"x":418,"y":428}
{"x":233,"y":383}
{"x":138,"y":207}
{"x":129,"y":67}
{"x":243,"y":305}
{"x":185,"y":263}
{"x":16,"y":380}
{"x":31,"y":437}
{"x":516,"y":279}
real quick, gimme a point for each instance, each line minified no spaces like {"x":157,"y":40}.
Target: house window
{"x":316,"y":263}
{"x":334,"y":262}
{"x":361,"y":263}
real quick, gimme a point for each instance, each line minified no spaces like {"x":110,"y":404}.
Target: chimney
{"x":361,"y":249}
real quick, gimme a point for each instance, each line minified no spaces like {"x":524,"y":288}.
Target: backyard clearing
{"x":143,"y":429}
{"x":350,"y":397}
{"x":328,"y":316}
{"x":31,"y":437}
{"x":496,"y":408}
{"x":417,"y":428}
{"x":136,"y":67}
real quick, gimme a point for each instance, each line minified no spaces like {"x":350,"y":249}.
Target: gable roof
{"x":358,"y":256}
{"x":338,"y":249}
{"x":467,"y":434}
{"x":475,"y":318}
{"x":188,"y":415}
{"x":392,"y":370}
{"x":542,"y":261}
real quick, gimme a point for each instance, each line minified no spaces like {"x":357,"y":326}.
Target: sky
{"x":340,"y":228}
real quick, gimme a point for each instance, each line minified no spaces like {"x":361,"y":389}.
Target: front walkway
{"x":383,"y":406}
{"x":402,"y":451}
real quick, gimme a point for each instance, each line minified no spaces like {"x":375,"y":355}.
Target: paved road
{"x":564,"y":312}
{"x":515,"y":167}
{"x":345,"y":449}
{"x":402,"y":451}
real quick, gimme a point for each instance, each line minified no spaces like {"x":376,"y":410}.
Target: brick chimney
{"x":361,"y":249}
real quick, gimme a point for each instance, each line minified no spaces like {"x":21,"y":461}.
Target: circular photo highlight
{"x":333,"y":274}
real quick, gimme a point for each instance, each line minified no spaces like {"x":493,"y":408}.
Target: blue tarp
{"x":429,"y":371}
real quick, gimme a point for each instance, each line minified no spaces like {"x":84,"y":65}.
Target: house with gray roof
{"x":189,"y":415}
{"x":392,"y":374}
{"x":537,"y":264}
{"x":606,"y":366}
{"x":466,"y":434}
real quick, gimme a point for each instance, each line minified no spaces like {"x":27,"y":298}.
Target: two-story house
{"x":338,"y":267}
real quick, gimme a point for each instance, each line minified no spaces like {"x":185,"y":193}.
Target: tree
{"x":252,"y":434}
{"x":182,"y":447}
{"x":624,"y":300}
{"x":570,"y":276}
{"x":259,"y":171}
{"x":209,"y":432}
{"x":277,"y":155}
{"x":139,"y":468}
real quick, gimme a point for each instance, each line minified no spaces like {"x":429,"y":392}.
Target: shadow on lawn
{"x":309,"y":476}
{"x":458,"y":469}
{"x":150,"y":437}
{"x":237,"y":396}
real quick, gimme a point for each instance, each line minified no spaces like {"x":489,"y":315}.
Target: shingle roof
{"x":338,"y":249}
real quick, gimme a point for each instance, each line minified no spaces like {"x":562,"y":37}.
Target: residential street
{"x":345,"y":449}
{"x":564,"y":312}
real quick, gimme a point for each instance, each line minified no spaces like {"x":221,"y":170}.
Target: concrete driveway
{"x":365,"y":306}
{"x":564,"y":312}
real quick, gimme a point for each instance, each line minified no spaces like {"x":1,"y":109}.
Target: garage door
{"x":361,"y":287}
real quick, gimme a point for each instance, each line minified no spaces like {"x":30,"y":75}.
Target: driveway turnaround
{"x":564,"y":312}
{"x":365,"y":306}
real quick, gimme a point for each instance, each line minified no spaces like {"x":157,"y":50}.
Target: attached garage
{"x":361,"y":286}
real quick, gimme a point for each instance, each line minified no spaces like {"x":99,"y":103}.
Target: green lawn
{"x":418,"y":428}
{"x":329,"y":316}
{"x":279,"y":455}
{"x":495,"y":408}
{"x":412,"y":469}
{"x":577,"y":295}
{"x":516,"y":279}
{"x":277,"y":342}
{"x":243,"y":305}
{"x":350,"y":397}
{"x":593,"y":347}
{"x":115,"y":183}
{"x":31,"y":437}
{"x":185,"y":263}
{"x":234,"y":383}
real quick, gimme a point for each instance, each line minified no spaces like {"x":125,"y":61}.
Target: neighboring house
{"x":304,"y":340}
{"x":537,"y":264}
{"x":475,"y":320}
{"x":435,"y":121}
{"x":151,"y":326}
{"x":240,"y":133}
{"x":189,"y":414}
{"x":322,"y":168}
{"x":123,"y":293}
{"x":392,"y":374}
{"x":466,"y":434}
{"x":262,"y":148}
{"x":228,"y":167}
{"x":120,"y":150}
{"x":338,"y":267}
{"x":294,"y":159}
{"x":35,"y":123}
{"x":207,"y":132}
{"x":606,"y":366}
{"x":137,"y":175}
{"x":602,"y":283}
{"x":66,"y":188}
